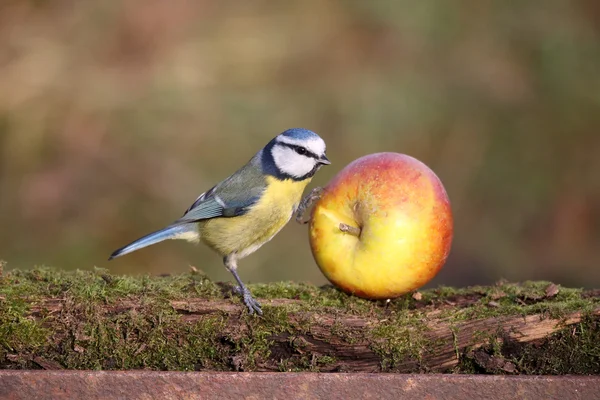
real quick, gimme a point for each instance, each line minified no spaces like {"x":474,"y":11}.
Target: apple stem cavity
{"x":353,"y":230}
{"x":306,"y":203}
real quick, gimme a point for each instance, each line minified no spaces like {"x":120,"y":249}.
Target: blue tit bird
{"x":244,"y":211}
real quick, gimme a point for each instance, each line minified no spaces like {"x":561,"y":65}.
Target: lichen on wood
{"x":53,"y":319}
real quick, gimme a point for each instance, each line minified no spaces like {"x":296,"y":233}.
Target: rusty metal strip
{"x":90,"y":385}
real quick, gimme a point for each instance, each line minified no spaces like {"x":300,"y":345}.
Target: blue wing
{"x":206,"y":206}
{"x":232,"y":197}
{"x":211,"y":205}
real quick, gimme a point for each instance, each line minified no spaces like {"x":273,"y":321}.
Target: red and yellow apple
{"x":382,"y":227}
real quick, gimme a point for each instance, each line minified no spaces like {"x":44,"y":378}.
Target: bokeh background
{"x":115,"y":115}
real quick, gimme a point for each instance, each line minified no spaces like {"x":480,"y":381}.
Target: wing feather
{"x":210,"y":205}
{"x":232,"y":197}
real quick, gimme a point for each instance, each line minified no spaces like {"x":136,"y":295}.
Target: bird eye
{"x":301,"y":150}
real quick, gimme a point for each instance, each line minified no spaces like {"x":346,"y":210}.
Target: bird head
{"x":297,"y":153}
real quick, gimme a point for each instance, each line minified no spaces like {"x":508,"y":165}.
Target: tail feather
{"x":185,"y":231}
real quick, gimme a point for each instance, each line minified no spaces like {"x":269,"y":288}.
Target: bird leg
{"x":307,"y":202}
{"x":253,"y":305}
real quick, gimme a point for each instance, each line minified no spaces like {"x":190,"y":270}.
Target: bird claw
{"x":307,"y":202}
{"x":252,"y":304}
{"x":249,"y":301}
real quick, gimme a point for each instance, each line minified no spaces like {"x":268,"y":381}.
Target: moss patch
{"x":94,"y":320}
{"x":573,"y":351}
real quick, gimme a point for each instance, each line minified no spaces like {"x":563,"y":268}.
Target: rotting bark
{"x":531,"y":328}
{"x":353,"y":351}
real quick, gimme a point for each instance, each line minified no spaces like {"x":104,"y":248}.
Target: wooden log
{"x":97,"y":321}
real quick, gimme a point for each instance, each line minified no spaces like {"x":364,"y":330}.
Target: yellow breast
{"x":246,"y":233}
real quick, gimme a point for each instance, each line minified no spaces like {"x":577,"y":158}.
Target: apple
{"x":382,"y":226}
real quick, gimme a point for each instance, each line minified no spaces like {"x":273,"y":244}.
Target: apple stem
{"x":353,"y":230}
{"x":307,"y":203}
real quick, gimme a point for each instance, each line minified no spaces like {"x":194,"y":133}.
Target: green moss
{"x":526,"y":298}
{"x":19,"y":333}
{"x":256,"y":345}
{"x":400,"y":340}
{"x":572,"y":350}
{"x":137,"y":338}
{"x":151,"y":336}
{"x":312,"y":297}
{"x":88,"y":333}
{"x":99,"y":285}
{"x":284,"y":290}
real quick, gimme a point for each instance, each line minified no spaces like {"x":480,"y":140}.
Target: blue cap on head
{"x":299,"y":133}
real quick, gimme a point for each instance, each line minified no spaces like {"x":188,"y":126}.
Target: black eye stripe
{"x":308,"y":153}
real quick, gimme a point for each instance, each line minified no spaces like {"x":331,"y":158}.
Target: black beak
{"x":324,"y":160}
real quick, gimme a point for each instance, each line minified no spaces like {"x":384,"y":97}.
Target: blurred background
{"x":116,"y":115}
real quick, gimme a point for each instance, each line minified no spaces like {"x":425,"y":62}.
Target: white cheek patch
{"x":292,"y":163}
{"x":316,"y":145}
